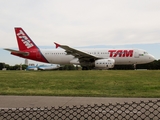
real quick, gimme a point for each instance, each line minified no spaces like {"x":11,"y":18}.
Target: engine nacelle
{"x":104,"y":63}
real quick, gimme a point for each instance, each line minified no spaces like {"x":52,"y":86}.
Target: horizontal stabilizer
{"x":17,"y":52}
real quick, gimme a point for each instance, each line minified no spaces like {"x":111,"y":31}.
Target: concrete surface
{"x":52,"y":101}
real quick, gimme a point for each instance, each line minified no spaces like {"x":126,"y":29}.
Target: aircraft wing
{"x":83,"y":56}
{"x":17,"y":52}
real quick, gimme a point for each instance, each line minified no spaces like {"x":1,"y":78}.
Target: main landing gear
{"x":86,"y":68}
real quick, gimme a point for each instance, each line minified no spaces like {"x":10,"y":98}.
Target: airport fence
{"x":149,"y":110}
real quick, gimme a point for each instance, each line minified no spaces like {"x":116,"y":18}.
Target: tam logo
{"x":120,"y":53}
{"x":24,"y":39}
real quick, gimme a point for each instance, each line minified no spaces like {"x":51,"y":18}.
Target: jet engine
{"x":104,"y":63}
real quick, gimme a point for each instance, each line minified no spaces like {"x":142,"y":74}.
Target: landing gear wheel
{"x":84,"y":68}
{"x":134,"y":65}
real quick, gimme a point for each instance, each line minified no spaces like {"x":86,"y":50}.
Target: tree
{"x":2,"y":65}
{"x":68,"y":67}
{"x":7,"y":66}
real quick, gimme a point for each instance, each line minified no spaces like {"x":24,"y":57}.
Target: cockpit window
{"x":145,"y":53}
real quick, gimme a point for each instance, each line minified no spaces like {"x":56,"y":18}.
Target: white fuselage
{"x":121,"y":56}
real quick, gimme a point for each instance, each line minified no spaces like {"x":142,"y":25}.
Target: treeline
{"x":150,"y":66}
{"x":23,"y":67}
{"x":15,"y":67}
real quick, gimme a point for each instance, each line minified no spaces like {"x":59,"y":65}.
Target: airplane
{"x":87,"y":58}
{"x":48,"y":67}
{"x":32,"y":67}
{"x":43,"y":67}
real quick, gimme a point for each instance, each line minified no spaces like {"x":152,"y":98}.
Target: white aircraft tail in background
{"x":87,"y":58}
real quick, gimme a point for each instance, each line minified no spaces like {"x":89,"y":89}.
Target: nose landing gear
{"x":134,"y":65}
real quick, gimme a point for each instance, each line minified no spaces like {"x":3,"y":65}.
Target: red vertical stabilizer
{"x":24,"y":42}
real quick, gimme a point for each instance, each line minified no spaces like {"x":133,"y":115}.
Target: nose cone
{"x":152,"y":58}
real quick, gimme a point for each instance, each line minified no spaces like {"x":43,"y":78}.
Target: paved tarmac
{"x":50,"y":101}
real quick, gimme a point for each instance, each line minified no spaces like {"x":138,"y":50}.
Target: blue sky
{"x":114,"y":23}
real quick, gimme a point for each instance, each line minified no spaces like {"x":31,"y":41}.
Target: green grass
{"x":109,"y":83}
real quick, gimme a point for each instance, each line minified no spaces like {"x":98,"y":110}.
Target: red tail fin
{"x":24,"y":42}
{"x":27,"y":48}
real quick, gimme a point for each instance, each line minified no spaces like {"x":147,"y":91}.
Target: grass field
{"x":108,"y":83}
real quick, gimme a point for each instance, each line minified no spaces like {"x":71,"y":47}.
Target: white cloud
{"x":81,"y":22}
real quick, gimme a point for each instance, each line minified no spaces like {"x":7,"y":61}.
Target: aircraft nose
{"x":152,"y":58}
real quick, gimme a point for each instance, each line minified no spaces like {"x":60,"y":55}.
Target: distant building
{"x":4,"y":69}
{"x":26,"y":62}
{"x":20,"y":67}
{"x":31,"y":64}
